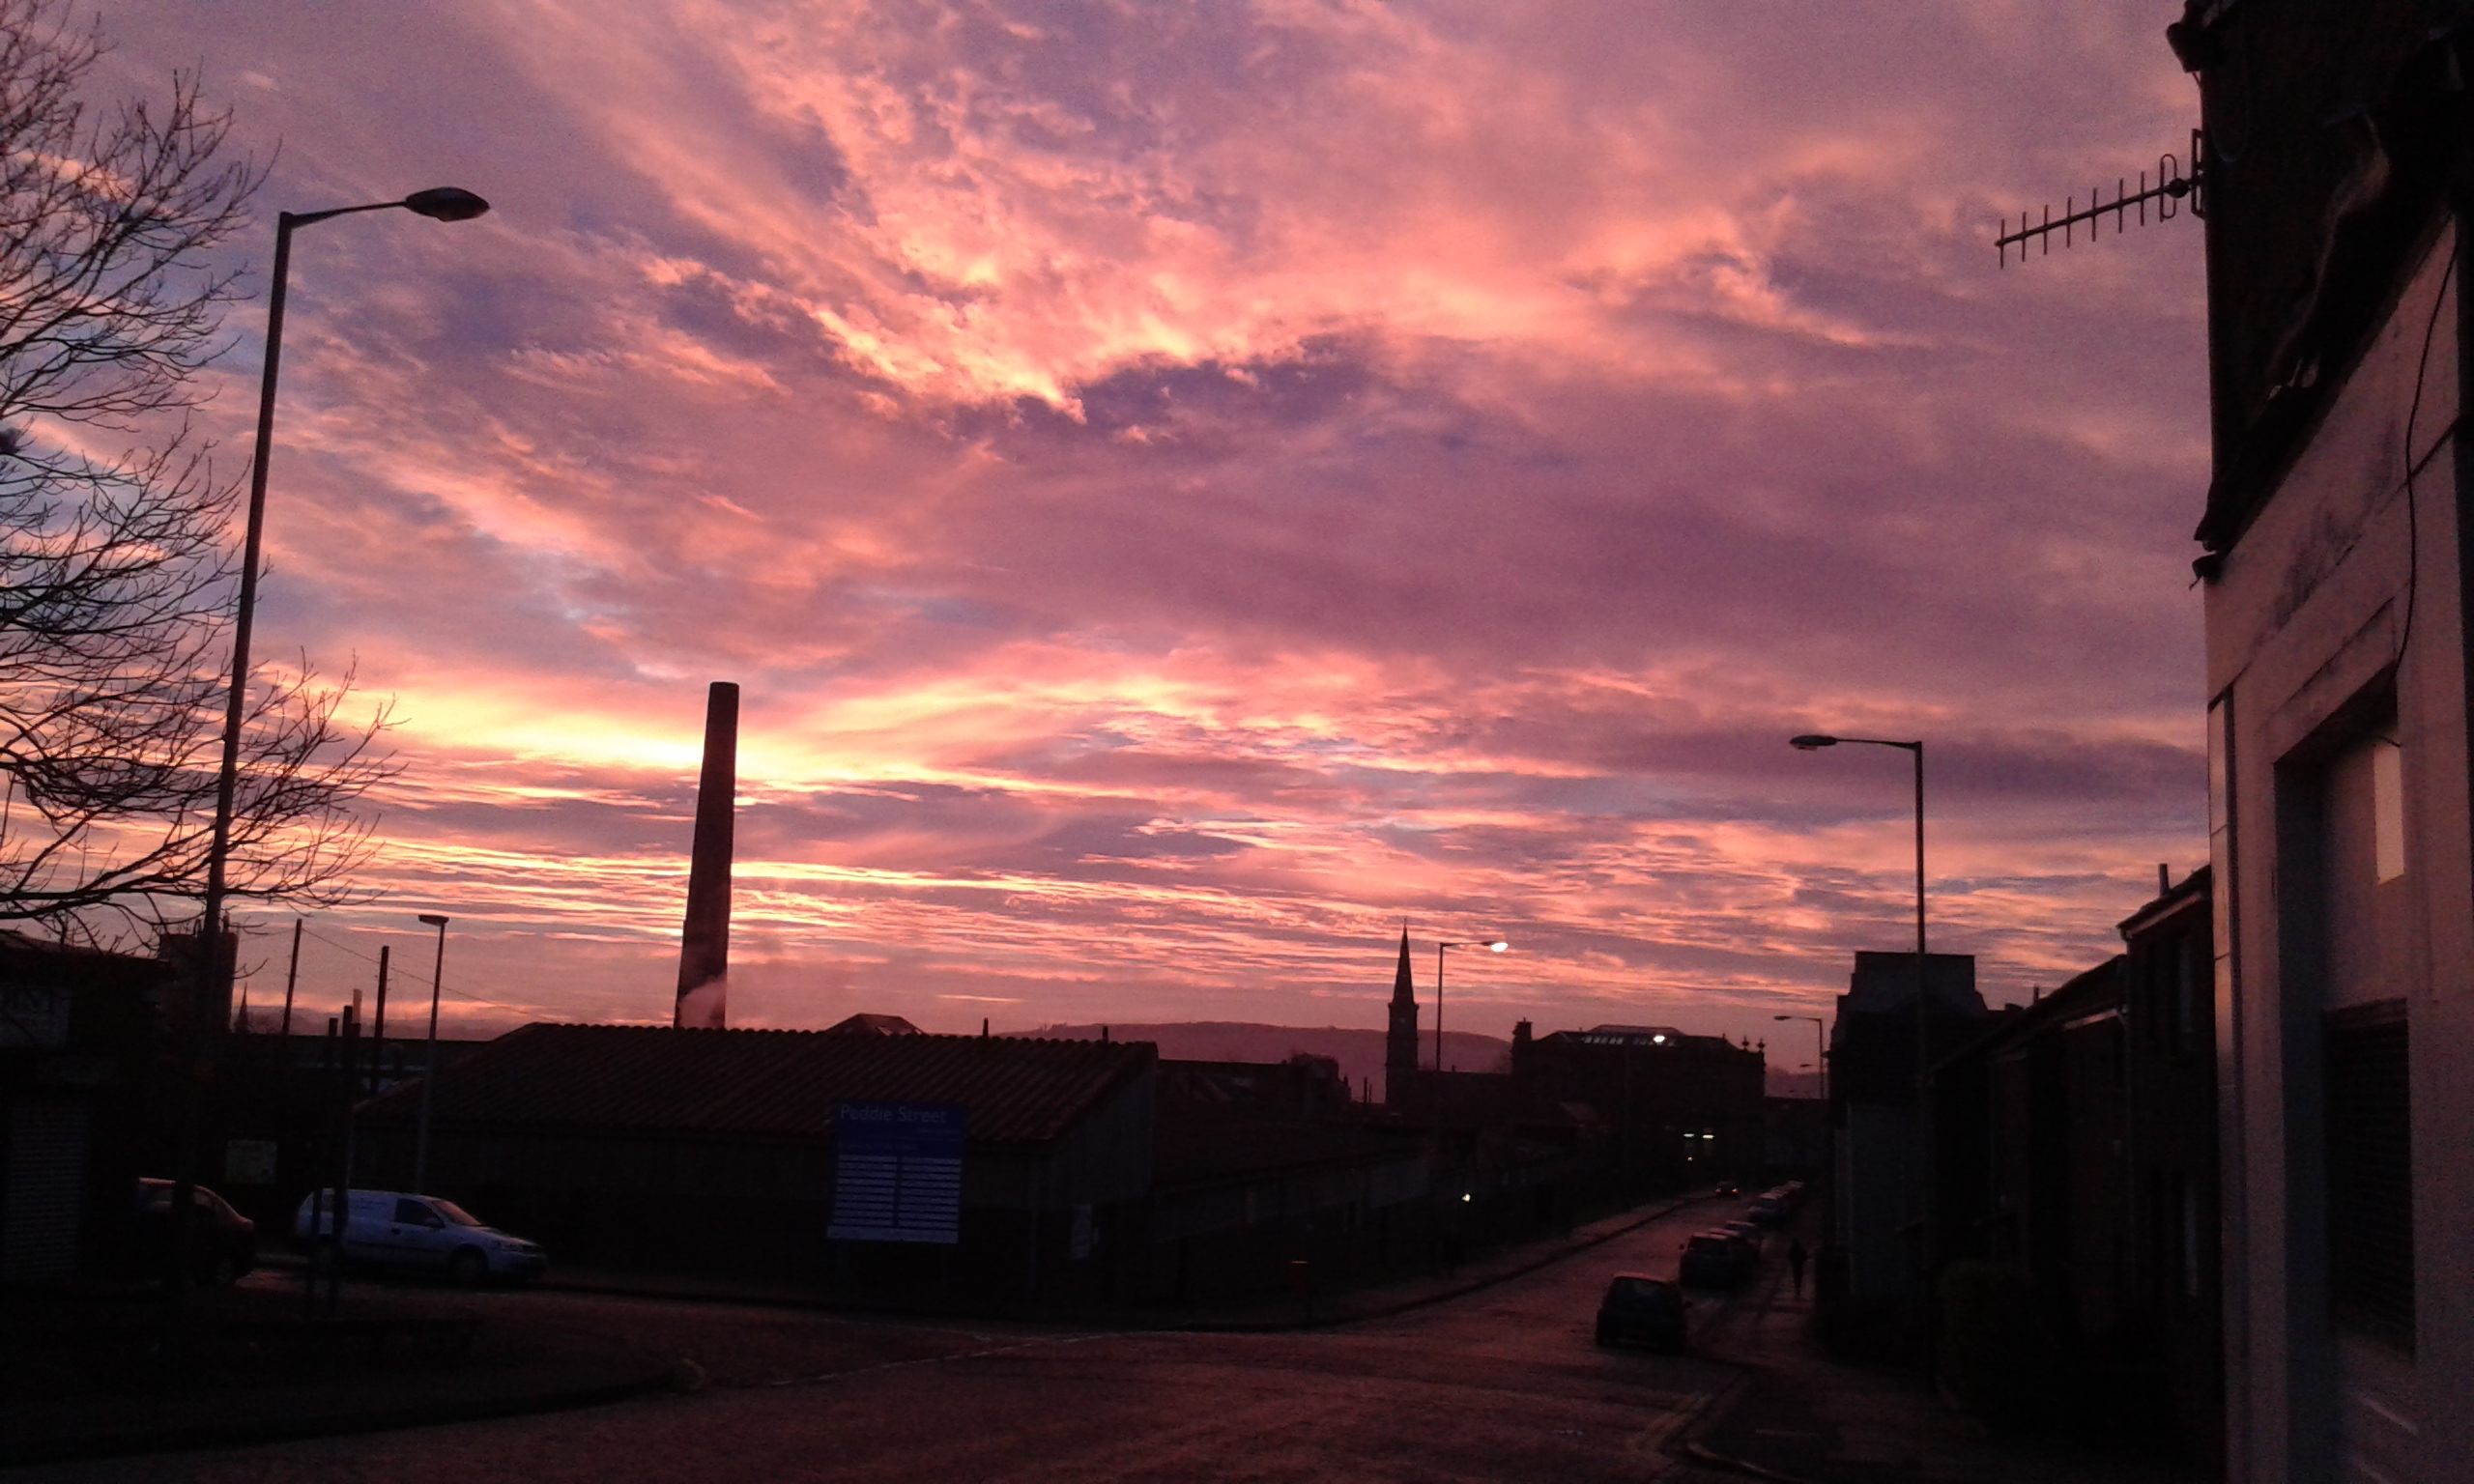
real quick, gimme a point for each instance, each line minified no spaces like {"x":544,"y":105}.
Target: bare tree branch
{"x":116,"y":570}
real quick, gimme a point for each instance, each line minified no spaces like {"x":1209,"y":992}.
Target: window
{"x":2189,"y":973}
{"x":2190,"y":1246}
{"x":2387,"y":810}
{"x":2371,"y":1171}
{"x":2223,"y":879}
{"x":2342,"y":842}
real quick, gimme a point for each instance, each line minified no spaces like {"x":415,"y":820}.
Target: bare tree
{"x":116,"y":575}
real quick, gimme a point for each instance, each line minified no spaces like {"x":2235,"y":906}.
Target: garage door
{"x":45,"y":1176}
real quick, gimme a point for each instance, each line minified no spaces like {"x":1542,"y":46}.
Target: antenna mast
{"x":2174,"y":186}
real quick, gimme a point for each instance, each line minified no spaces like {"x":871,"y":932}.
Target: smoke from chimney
{"x":704,"y":939}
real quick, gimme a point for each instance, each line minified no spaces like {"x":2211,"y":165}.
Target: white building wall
{"x":2342,"y":589}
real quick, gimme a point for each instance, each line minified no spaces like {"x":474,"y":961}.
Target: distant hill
{"x":1359,"y":1052}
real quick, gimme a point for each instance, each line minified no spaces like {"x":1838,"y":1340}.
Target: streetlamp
{"x":445,"y":202}
{"x":1822,"y":1052}
{"x":1814,"y":742}
{"x":1821,"y":1048}
{"x":429,"y":1069}
{"x":1491,"y":945}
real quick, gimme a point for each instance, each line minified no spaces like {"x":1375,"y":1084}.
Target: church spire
{"x":1400,"y":1044}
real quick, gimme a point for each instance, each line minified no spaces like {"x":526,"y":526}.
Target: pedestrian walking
{"x":1795,"y":1256}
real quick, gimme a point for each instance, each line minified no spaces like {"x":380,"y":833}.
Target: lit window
{"x":2387,"y":810}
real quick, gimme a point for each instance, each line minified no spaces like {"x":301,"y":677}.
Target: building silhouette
{"x":2338,"y":145}
{"x":1873,"y":1081}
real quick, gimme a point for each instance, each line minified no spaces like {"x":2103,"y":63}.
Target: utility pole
{"x":290,"y":977}
{"x":1925,"y":1202}
{"x":1921,"y":1171}
{"x":378,"y":1026}
{"x":429,"y":1063}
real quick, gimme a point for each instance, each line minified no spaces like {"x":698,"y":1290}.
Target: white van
{"x":395,"y":1229}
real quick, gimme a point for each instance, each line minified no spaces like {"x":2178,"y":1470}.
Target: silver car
{"x":418,"y":1233}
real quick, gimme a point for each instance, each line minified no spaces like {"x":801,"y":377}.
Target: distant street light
{"x":429,"y":1069}
{"x":445,"y":202}
{"x":1814,"y":742}
{"x":1491,"y":945}
{"x":1821,"y":1048}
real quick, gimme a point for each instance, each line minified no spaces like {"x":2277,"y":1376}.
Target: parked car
{"x":1729,"y":1188}
{"x":1769,"y":1210}
{"x":224,"y":1247}
{"x":1711,"y":1260}
{"x":1749,"y":1230}
{"x":414,"y":1233}
{"x":1641,"y":1310}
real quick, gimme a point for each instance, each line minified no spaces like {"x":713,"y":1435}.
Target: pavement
{"x":1266,"y":1314}
{"x":101,"y":1376}
{"x":1502,"y":1384}
{"x":1383,"y":1300}
{"x":101,"y":1371}
{"x":1796,"y":1417}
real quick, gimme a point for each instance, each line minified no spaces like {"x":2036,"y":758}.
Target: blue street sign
{"x":897,"y":1172}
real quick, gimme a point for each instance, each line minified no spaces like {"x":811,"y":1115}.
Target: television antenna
{"x":2175,"y":186}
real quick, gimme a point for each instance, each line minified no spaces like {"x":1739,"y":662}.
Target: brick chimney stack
{"x":704,"y":939}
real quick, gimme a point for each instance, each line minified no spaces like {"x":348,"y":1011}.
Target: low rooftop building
{"x":715,"y":1149}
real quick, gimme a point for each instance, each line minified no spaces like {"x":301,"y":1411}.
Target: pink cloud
{"x":1186,"y":488}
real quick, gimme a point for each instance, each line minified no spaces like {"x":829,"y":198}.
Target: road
{"x":1500,"y":1384}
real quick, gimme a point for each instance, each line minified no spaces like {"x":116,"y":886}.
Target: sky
{"x":1187,"y":489}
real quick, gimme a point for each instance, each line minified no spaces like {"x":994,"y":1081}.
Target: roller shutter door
{"x":38,"y":1207}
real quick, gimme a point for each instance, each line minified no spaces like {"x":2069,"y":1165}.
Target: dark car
{"x":1779,"y":1201}
{"x":224,"y":1244}
{"x":1641,"y":1310}
{"x":1729,"y":1188}
{"x":1711,"y":1260}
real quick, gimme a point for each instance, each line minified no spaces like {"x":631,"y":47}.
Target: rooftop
{"x":873,"y":1025}
{"x":776,"y":1083}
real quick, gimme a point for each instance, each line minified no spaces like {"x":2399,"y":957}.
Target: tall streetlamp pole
{"x":1491,"y":945}
{"x":429,"y":1067}
{"x":445,"y":202}
{"x":1923,"y":1035}
{"x":1821,"y":1047}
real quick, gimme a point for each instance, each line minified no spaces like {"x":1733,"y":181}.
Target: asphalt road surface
{"x":1501,"y":1385}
